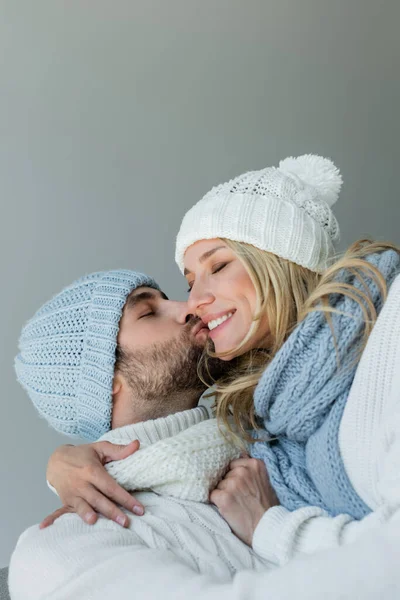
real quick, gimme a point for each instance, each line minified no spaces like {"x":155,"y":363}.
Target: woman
{"x":258,"y":254}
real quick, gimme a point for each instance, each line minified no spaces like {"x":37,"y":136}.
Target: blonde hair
{"x":286,"y":293}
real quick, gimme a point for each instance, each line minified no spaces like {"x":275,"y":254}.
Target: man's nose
{"x":181,"y":312}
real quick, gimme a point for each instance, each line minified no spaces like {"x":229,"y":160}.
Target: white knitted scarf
{"x":183,"y":455}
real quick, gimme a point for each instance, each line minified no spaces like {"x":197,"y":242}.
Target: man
{"x":180,"y":549}
{"x":112,"y":357}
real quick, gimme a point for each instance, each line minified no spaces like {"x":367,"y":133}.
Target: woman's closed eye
{"x":215,"y":269}
{"x":218,"y":268}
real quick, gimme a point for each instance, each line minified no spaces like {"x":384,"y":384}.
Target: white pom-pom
{"x":316,"y":171}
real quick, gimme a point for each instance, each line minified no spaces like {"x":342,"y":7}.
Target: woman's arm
{"x":280,"y":535}
{"x":370,"y":447}
{"x":78,"y":476}
{"x":369,"y":441}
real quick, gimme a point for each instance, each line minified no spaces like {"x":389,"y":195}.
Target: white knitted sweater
{"x":74,"y":560}
{"x":183,"y":455}
{"x":181,"y":458}
{"x":369,"y":441}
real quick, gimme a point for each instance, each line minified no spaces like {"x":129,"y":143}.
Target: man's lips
{"x":198,"y":327}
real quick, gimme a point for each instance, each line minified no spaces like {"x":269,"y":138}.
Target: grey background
{"x":115,"y":117}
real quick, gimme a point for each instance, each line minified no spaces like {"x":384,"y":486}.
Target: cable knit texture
{"x":179,"y":526}
{"x":301,"y":398}
{"x":284,"y":210}
{"x":186,"y":462}
{"x":75,"y":560}
{"x":67,"y":352}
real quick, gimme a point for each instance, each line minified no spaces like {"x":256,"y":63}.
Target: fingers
{"x":216,"y":497}
{"x":101,"y":505}
{"x":86,"y":488}
{"x":237,"y":471}
{"x":241,"y":484}
{"x":249,"y":463}
{"x":222,"y":500}
{"x":49,"y":520}
{"x":108,"y":451}
{"x":85,"y":511}
{"x":222,"y":485}
{"x":112,"y":490}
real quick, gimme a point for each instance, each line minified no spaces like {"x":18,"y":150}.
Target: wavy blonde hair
{"x":286,"y":293}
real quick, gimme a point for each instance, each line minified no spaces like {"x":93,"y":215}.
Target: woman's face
{"x":222,"y":295}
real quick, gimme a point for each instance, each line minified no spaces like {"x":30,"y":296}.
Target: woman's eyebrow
{"x":205,"y":256}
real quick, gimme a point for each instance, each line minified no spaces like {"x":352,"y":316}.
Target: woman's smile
{"x":222,"y":294}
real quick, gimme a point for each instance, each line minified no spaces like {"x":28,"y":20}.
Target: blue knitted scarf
{"x":300,"y":400}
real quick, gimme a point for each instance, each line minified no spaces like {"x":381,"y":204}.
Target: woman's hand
{"x":84,"y":486}
{"x":243,"y":496}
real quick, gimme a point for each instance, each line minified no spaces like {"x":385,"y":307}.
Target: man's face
{"x":159,"y":346}
{"x":149,"y":318}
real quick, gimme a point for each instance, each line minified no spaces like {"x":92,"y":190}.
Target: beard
{"x":164,"y":376}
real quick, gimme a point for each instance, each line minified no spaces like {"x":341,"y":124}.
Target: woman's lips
{"x":215,"y":332}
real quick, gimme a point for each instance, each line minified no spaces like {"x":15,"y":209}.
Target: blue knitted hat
{"x":67,"y":352}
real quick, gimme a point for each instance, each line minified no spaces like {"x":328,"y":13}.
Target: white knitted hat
{"x":284,"y":210}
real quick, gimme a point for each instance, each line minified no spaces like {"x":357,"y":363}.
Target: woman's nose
{"x":199,"y":298}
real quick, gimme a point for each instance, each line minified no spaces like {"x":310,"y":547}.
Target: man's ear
{"x":118,"y":400}
{"x":118,"y":384}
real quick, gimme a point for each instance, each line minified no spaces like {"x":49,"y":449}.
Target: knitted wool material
{"x":301,"y":397}
{"x":173,"y":529}
{"x":369,"y":442}
{"x":67,"y":352}
{"x":284,"y":210}
{"x":80,"y":558}
{"x":183,"y":455}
